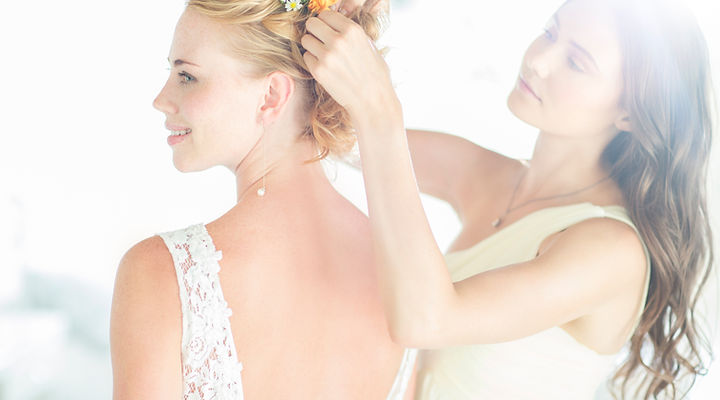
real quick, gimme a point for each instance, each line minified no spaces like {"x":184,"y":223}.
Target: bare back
{"x":300,"y":279}
{"x":298,"y":273}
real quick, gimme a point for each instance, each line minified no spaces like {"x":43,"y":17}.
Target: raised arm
{"x":450,"y":167}
{"x":437,"y":175}
{"x":585,"y":266}
{"x":145,"y":325}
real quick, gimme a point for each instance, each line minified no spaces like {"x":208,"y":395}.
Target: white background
{"x":85,"y":171}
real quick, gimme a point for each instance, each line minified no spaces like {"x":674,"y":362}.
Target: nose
{"x":542,"y":59}
{"x":163,"y":103}
{"x":539,"y":65}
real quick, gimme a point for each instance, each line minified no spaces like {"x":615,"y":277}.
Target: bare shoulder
{"x":145,"y":324}
{"x":620,"y":237}
{"x":603,"y":246}
{"x":146,"y":264}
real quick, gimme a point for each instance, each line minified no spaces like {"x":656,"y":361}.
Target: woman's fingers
{"x":342,"y":58}
{"x":336,"y":21}
{"x":321,"y":30}
{"x":311,"y":61}
{"x":313,"y":45}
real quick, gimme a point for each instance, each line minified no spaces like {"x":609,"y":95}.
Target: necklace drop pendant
{"x":497,"y":222}
{"x":261,"y":192}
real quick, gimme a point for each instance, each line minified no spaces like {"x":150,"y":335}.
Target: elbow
{"x":420,"y":331}
{"x":421,"y":323}
{"x":402,"y":335}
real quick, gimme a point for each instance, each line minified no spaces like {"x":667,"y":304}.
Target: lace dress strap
{"x":210,"y":366}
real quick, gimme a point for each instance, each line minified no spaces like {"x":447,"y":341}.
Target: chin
{"x":183,"y":164}
{"x":181,"y":167}
{"x":519,"y":107}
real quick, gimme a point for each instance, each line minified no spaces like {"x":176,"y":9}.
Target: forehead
{"x":591,"y":25}
{"x":200,"y":40}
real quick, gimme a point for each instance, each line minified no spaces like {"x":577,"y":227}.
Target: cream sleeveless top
{"x":210,"y":365}
{"x":548,"y":365}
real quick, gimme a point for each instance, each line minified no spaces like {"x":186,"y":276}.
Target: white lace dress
{"x":211,"y":369}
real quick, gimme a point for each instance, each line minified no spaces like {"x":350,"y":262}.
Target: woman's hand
{"x":346,"y":63}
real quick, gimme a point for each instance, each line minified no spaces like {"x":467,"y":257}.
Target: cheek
{"x":198,"y":105}
{"x":230,"y":125}
{"x":217,"y":111}
{"x":585,"y":104}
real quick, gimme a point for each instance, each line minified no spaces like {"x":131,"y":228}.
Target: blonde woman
{"x":601,"y":241}
{"x":277,"y":298}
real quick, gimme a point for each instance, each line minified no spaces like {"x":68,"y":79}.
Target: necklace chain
{"x":508,"y":210}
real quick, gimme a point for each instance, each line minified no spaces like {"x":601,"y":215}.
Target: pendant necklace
{"x":499,"y":220}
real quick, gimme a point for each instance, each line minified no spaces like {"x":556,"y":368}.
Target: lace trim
{"x":210,"y":366}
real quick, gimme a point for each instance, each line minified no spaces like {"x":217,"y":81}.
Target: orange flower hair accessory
{"x":318,"y":6}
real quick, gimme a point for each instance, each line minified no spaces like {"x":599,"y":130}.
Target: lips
{"x":526,"y":87}
{"x":177,"y":133}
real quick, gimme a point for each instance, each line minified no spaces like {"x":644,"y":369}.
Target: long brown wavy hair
{"x":661,"y":166}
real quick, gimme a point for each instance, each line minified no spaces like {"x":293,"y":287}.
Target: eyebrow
{"x":180,"y":62}
{"x":577,"y":46}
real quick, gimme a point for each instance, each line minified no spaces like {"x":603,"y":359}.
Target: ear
{"x":623,"y":123}
{"x":279,"y":88}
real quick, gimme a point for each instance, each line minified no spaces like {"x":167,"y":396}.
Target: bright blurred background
{"x":85,"y":171}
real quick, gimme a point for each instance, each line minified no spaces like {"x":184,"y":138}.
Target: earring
{"x":261,"y":191}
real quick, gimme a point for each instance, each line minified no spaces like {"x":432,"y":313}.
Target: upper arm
{"x":146,"y":325}
{"x":587,"y":266}
{"x":448,"y":167}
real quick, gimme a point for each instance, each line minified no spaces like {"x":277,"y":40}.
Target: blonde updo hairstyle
{"x":266,"y":36}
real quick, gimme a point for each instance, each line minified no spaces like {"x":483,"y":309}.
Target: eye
{"x":549,"y":34}
{"x":574,"y":65}
{"x":185,"y":78}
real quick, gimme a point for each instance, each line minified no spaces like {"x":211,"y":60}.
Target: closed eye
{"x":575,"y":65}
{"x":548,"y":34}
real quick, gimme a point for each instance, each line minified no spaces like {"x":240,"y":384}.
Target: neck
{"x":281,"y":169}
{"x":562,"y":165}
